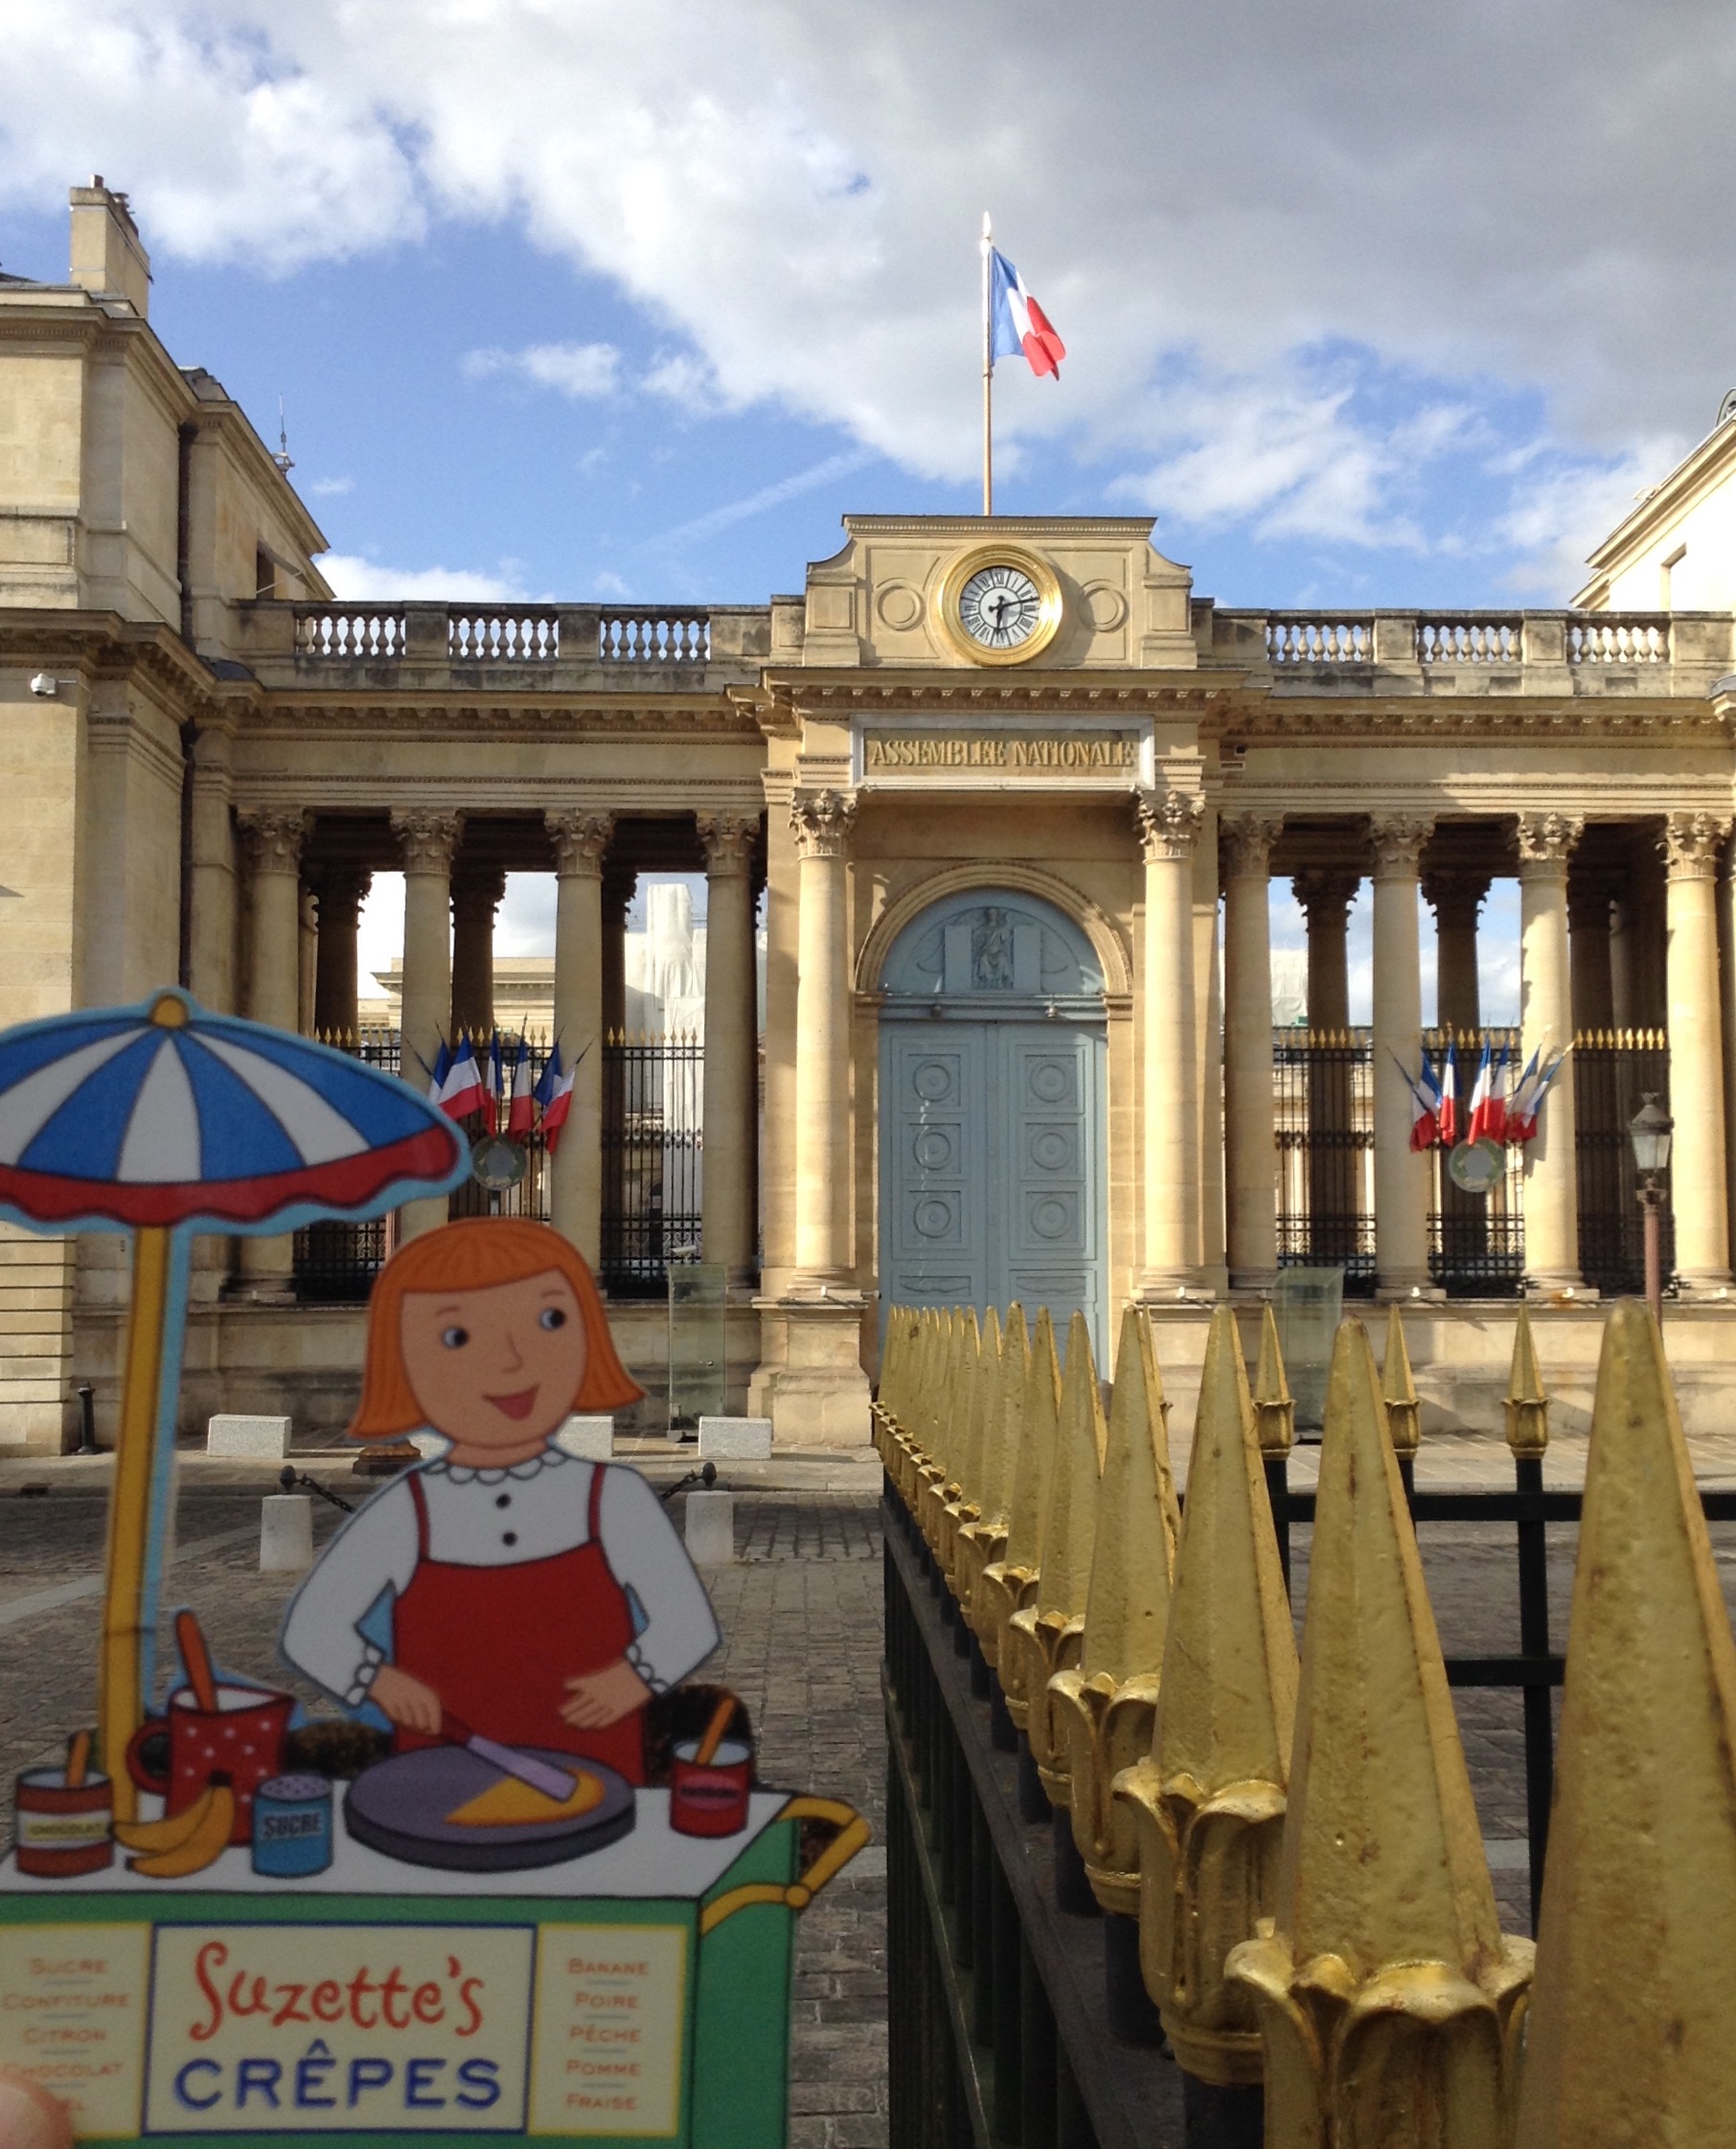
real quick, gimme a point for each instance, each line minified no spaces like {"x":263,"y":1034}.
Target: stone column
{"x":274,"y":838}
{"x":1401,"y":1175}
{"x":617,"y":895}
{"x":1169,"y":827}
{"x":580,"y":839}
{"x":1208,"y":1063}
{"x":731,"y":1044}
{"x":339,"y":897}
{"x":476,"y":893}
{"x":1551,"y":1192}
{"x":427,"y":839}
{"x":1456,"y":897}
{"x":1698,"y":1184}
{"x":211,"y":934}
{"x":1591,"y":923}
{"x":821,"y":821}
{"x":1246,"y":845}
{"x":307,"y":965}
{"x":1333,"y":1166}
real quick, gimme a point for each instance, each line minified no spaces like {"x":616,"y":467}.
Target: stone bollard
{"x":711,"y":1529}
{"x":247,"y":1438}
{"x":590,"y":1439}
{"x":736,"y":1439}
{"x":1389,"y":1999}
{"x":286,"y":1533}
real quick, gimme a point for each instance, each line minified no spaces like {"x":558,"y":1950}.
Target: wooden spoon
{"x":197,"y":1657}
{"x":78,"y":1760}
{"x":714,"y":1733}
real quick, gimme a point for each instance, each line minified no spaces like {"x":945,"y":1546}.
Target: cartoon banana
{"x":206,"y":1842}
{"x":168,"y":1834}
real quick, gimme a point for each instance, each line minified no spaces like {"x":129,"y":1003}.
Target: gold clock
{"x":999,"y":605}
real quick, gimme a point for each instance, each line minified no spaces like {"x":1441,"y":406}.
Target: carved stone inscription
{"x":1103,"y":755}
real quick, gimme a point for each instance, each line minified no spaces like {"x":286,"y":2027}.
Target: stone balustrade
{"x":1387,"y":652}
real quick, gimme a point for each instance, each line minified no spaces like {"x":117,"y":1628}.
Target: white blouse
{"x":498,"y":1518}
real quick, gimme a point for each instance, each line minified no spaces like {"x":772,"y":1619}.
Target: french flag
{"x":521,"y":1112}
{"x":553,"y":1095}
{"x":437,"y":1079}
{"x":464,"y":1090}
{"x":1425,"y":1109}
{"x":1487,"y":1106}
{"x":1016,"y":323}
{"x":1449,"y":1086}
{"x":1528,"y":1098}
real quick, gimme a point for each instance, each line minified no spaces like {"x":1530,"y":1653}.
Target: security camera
{"x":45,"y":686}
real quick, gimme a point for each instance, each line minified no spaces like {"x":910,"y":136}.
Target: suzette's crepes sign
{"x":227,"y":2030}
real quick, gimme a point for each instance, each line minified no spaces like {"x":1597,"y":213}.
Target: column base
{"x":1705,"y":1284}
{"x":810,"y":1382}
{"x":1552,"y":1290}
{"x":1253,"y":1283}
{"x":1405,"y":1290}
{"x":1175,"y":1287}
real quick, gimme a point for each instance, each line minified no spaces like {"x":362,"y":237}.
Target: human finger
{"x":29,"y":2118}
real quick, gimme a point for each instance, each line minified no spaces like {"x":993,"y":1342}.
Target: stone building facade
{"x":1014,"y":794}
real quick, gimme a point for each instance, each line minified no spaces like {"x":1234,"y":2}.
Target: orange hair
{"x":471,"y":1255}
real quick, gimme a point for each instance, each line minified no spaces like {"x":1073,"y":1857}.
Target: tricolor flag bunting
{"x":1016,"y":323}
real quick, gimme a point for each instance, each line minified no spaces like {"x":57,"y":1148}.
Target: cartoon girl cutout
{"x":537,"y":1599}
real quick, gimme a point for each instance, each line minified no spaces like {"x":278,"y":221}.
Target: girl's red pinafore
{"x":498,"y":1644}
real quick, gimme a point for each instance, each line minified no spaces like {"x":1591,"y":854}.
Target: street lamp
{"x":1650,"y":1130}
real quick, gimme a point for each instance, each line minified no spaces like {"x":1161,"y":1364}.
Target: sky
{"x":1367,"y":303}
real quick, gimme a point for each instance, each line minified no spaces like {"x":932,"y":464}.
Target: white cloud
{"x":581,"y":370}
{"x":328,"y":488}
{"x":792,"y":190}
{"x":353,"y":577}
{"x":767,"y":496}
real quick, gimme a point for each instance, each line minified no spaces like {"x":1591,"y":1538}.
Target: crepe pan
{"x":400,"y":1805}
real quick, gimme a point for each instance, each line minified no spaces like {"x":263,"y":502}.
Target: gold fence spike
{"x":1009,"y":1582}
{"x":1386,"y":1991}
{"x":1052,"y":1627}
{"x":1399,"y":1390}
{"x":1527,"y":1403}
{"x":1631,"y":2036}
{"x":981,"y":1369}
{"x":1274,"y":1407}
{"x":985,"y":1540}
{"x":1208,"y":1803}
{"x":1102,"y":1709}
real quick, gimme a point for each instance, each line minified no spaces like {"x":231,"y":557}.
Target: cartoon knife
{"x":542,"y":1775}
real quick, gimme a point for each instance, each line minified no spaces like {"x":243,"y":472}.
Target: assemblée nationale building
{"x":1004,"y":798}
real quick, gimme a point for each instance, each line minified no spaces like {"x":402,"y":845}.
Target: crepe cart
{"x":638,"y":1992}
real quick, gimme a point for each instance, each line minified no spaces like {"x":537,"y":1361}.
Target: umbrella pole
{"x":119,"y":1693}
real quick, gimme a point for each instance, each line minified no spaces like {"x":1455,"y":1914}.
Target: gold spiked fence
{"x":1123,"y":1801}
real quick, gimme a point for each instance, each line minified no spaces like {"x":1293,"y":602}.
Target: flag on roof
{"x":521,"y":1109}
{"x":1016,"y":323}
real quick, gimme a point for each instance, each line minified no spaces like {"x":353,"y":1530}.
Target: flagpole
{"x":988,"y":379}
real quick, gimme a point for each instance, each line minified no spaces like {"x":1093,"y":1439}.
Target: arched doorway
{"x":992,"y":1112}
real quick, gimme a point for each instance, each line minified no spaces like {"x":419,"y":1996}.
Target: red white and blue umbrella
{"x":164,"y":1120}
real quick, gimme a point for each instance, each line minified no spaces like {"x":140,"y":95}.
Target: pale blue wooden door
{"x":991,"y":1115}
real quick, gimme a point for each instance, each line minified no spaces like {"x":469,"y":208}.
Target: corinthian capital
{"x":1690,"y":844}
{"x":1325,"y":897}
{"x":426,"y":838}
{"x":580,"y":839}
{"x":1547,"y":839}
{"x":275,"y":835}
{"x":822,"y":822}
{"x":728,"y":840}
{"x":1397,"y":840}
{"x":1245,"y":843}
{"x":1169,"y":823}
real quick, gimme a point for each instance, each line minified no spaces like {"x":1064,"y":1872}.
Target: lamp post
{"x":1650,"y":1130}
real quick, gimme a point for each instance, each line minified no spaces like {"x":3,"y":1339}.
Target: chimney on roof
{"x":107,"y":255}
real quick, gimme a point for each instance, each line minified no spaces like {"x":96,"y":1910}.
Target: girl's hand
{"x":600,"y":1698}
{"x":406,"y":1700}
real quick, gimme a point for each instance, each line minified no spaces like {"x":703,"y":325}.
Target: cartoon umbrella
{"x":164,"y":1120}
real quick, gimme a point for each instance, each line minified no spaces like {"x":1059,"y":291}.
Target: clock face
{"x":1000,"y":607}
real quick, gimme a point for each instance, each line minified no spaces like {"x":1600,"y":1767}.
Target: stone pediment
{"x":1097,"y":595}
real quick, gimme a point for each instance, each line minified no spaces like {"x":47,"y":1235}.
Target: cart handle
{"x":852,"y":1832}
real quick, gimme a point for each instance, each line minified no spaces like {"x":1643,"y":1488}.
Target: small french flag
{"x":554,"y":1093}
{"x":1449,"y":1097}
{"x":1016,"y":323}
{"x":1425,"y":1109}
{"x":464,"y":1090}
{"x":1488,"y":1101}
{"x":521,"y":1111}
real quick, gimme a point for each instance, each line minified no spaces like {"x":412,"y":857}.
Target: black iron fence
{"x":1323,"y":1089}
{"x":652,"y":1159}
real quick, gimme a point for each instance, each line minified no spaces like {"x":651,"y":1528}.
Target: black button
{"x":503,"y":1500}
{"x":511,"y":1538}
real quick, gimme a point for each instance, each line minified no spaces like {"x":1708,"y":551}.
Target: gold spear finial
{"x":1011,"y":1582}
{"x":1386,"y":1988}
{"x":1208,"y":1803}
{"x":982,"y":1376}
{"x":1527,"y":1401}
{"x":940,"y":1483}
{"x":1102,"y":1709}
{"x":1052,"y":1627}
{"x":1274,"y":1407}
{"x":986,"y":1539}
{"x":1398,"y":1391}
{"x":1631,"y":2035}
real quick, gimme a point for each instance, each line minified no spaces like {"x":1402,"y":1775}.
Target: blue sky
{"x":1371,"y":303}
